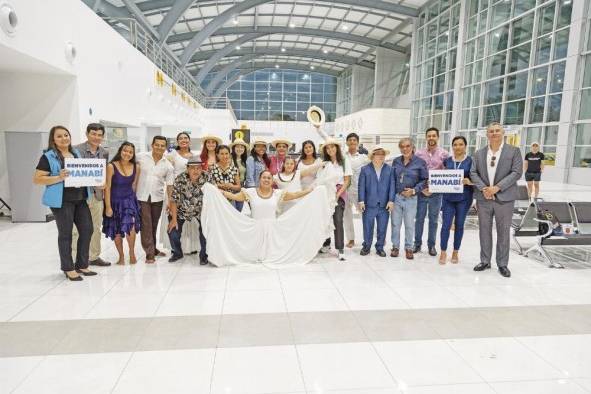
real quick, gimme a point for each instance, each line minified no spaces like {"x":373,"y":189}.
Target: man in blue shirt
{"x":410,"y":176}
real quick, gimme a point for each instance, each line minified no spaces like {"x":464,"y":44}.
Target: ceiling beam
{"x":172,"y":17}
{"x":217,"y":22}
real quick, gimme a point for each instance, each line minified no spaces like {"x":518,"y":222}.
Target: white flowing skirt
{"x":293,"y":238}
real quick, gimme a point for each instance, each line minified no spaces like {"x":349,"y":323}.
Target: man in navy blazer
{"x":376,"y":198}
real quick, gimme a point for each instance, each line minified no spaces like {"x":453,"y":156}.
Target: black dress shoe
{"x":381,"y":253}
{"x":364,"y":252}
{"x":99,"y":262}
{"x":174,"y":258}
{"x":505,"y":272}
{"x":417,"y":249}
{"x":482,"y":267}
{"x":73,"y":278}
{"x":432,"y":251}
{"x":203,"y":261}
{"x":87,"y":273}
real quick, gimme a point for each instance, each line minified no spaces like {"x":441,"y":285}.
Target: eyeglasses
{"x":492,"y":161}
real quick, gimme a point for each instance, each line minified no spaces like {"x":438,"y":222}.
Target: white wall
{"x":389,"y":76}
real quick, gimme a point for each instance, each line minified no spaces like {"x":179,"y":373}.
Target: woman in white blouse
{"x":308,"y":159}
{"x":290,"y":178}
{"x":337,"y":171}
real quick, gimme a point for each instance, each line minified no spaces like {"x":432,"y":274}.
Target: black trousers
{"x":339,"y":230}
{"x":73,"y":213}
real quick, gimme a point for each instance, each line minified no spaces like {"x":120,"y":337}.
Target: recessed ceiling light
{"x":311,"y":67}
{"x":345,"y":27}
{"x":282,"y":49}
{"x":235,"y":21}
{"x":292,"y":25}
{"x":324,"y":51}
{"x":277,"y":66}
{"x":237,"y":47}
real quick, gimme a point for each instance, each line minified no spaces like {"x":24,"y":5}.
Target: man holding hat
{"x":281,"y":147}
{"x":376,"y":198}
{"x":185,"y":204}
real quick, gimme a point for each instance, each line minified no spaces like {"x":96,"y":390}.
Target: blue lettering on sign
{"x":445,"y":182}
{"x":86,"y":173}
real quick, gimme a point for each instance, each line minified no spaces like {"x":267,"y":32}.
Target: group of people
{"x":295,"y":205}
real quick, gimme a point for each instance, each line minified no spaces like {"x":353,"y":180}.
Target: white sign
{"x":85,"y":172}
{"x":446,"y":181}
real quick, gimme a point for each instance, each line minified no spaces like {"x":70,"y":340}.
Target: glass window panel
{"x":301,"y":116}
{"x":514,"y":112}
{"x":501,"y":12}
{"x":482,"y":22}
{"x":546,"y":20}
{"x":261,"y":115}
{"x":247,"y":115}
{"x":466,"y":98}
{"x":247,"y":86}
{"x":261,"y":75}
{"x":275,"y":77}
{"x":474,"y":118}
{"x":492,"y":113}
{"x":543,"y":51}
{"x":496,"y":65}
{"x":440,"y":83}
{"x":539,"y":81}
{"x":585,"y":107}
{"x":523,"y":29}
{"x":561,"y":44}
{"x":289,"y":96}
{"x":248,"y":77}
{"x":275,"y":86}
{"x":290,"y":106}
{"x":290,"y":76}
{"x":498,"y":39}
{"x":470,"y":51}
{"x":452,"y":59}
{"x":289,"y":87}
{"x":564,"y":13}
{"x":261,"y":96}
{"x":426,"y":104}
{"x":477,"y":71}
{"x":432,"y":29}
{"x":317,"y":78}
{"x":536,"y":114}
{"x":476,"y":96}
{"x":443,"y":23}
{"x":330,"y":98}
{"x":583,"y":134}
{"x":557,"y":77}
{"x":480,"y":47}
{"x":587,"y":72}
{"x":316,"y":88}
{"x":494,"y":91}
{"x":451,"y":80}
{"x":472,"y":26}
{"x":438,"y":103}
{"x":303,"y":87}
{"x":275,"y":106}
{"x":262,"y":86}
{"x":522,"y":6}
{"x":304,"y":97}
{"x":441,"y":60}
{"x":247,"y":95}
{"x":455,"y":16}
{"x":554,"y":102}
{"x":429,"y":69}
{"x":519,"y":57}
{"x":516,"y":86}
{"x":276,"y":96}
{"x":468,"y":75}
{"x":551,"y":136}
{"x":449,"y":102}
{"x":582,"y":157}
{"x":330,"y":88}
{"x":234,"y":95}
{"x":533,"y":134}
{"x":428,"y":87}
{"x":317,"y":98}
{"x":465,"y":119}
{"x":473,"y":7}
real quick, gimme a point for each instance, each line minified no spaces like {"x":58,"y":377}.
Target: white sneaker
{"x":341,"y":256}
{"x":325,"y":249}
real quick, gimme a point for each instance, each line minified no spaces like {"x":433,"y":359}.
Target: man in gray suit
{"x":495,"y":171}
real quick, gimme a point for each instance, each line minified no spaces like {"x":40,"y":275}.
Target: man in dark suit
{"x":376,"y":192}
{"x":496,"y":168}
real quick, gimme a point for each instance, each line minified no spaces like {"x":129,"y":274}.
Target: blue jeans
{"x":404,"y":208}
{"x":432,"y":204}
{"x":239,"y":205}
{"x":369,"y":217}
{"x":175,"y":240}
{"x":454,"y":210}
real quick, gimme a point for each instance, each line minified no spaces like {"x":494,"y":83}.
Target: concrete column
{"x":362,"y":86}
{"x":390,"y":73}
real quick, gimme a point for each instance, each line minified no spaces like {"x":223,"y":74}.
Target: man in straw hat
{"x":376,"y":198}
{"x":185,"y":204}
{"x":281,"y":147}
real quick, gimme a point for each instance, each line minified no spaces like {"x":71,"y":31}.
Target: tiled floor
{"x":369,"y":325}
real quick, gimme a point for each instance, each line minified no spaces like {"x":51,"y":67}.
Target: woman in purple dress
{"x":122,"y":210}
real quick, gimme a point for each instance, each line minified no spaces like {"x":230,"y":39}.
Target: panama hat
{"x":377,"y":148}
{"x":211,"y":137}
{"x":194,"y":161}
{"x":239,"y":141}
{"x":258,"y":141}
{"x":281,"y":141}
{"x":332,"y":141}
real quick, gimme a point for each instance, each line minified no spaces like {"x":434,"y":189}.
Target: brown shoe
{"x":409,"y":254}
{"x":351,"y":243}
{"x":394,"y":252}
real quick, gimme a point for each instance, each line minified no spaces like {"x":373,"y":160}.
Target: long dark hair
{"x":266,"y":159}
{"x":314,"y":154}
{"x":51,"y":142}
{"x":459,"y":137}
{"x":117,"y":156}
{"x":177,"y":147}
{"x":243,"y":156}
{"x":204,"y":153}
{"x":326,"y":157}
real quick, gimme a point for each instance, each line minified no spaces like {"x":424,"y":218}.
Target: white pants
{"x":350,"y":207}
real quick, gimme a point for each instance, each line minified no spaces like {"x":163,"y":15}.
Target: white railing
{"x":219,"y":103}
{"x":145,"y":43}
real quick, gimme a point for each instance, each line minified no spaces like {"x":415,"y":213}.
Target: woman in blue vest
{"x":455,"y":206}
{"x":68,"y":204}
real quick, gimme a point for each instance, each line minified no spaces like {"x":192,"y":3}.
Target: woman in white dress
{"x":178,"y":158}
{"x":290,"y":178}
{"x":308,"y":159}
{"x":294,"y":237}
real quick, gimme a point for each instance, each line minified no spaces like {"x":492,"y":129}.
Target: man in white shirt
{"x":356,"y":160}
{"x":156,"y":175}
{"x":496,"y":168}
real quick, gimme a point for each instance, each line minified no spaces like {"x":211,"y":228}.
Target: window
{"x":582,"y":154}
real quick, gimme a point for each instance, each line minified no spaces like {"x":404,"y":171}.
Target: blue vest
{"x":53,"y":195}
